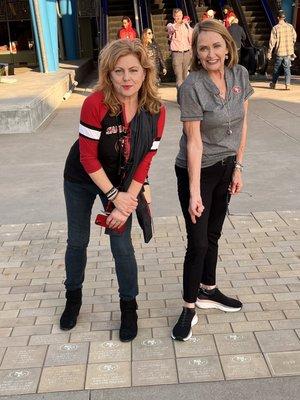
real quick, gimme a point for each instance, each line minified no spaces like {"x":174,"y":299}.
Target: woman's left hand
{"x":236,"y":182}
{"x":116,"y":219}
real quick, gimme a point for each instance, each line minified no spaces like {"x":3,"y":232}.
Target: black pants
{"x":202,"y":238}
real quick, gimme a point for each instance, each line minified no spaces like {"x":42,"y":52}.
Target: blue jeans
{"x":79,"y":202}
{"x":286,"y":63}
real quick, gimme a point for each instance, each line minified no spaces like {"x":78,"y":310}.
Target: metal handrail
{"x":137,"y":16}
{"x":191,"y":10}
{"x":146,"y":14}
{"x":269,"y":12}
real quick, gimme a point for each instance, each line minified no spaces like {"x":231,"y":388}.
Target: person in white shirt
{"x":180,"y":35}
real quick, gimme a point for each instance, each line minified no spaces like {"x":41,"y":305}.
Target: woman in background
{"x":127,"y":31}
{"x":154,"y":52}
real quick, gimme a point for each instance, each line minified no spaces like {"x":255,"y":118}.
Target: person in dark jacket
{"x":237,"y":32}
{"x":154,"y":52}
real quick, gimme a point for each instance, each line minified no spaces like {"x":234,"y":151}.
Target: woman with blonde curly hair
{"x":121,"y":125}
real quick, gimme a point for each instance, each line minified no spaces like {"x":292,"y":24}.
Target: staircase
{"x":116,"y":10}
{"x":257,"y":22}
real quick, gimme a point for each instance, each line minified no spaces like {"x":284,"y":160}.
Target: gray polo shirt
{"x":200,"y":101}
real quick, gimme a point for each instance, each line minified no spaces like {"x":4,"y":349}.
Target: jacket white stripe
{"x":89,"y":133}
{"x":155,"y":145}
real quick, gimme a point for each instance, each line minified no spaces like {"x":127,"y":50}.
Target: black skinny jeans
{"x":202,"y":238}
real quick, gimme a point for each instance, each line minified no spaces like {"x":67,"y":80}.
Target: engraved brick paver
{"x":278,"y":341}
{"x":20,"y":357}
{"x":62,"y":378}
{"x":236,"y":343}
{"x":154,"y":372}
{"x":66,"y":354}
{"x":202,"y":345}
{"x":258,"y":264}
{"x":152,"y":349}
{"x":284,"y":363}
{"x":108,"y":375}
{"x":109,"y":351}
{"x":19,"y":381}
{"x":199,"y":369}
{"x":244,"y":366}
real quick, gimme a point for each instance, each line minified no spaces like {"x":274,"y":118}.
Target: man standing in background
{"x":237,"y":32}
{"x":282,"y":40}
{"x":180,"y":36}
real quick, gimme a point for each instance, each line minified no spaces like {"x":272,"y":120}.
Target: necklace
{"x":226,"y":107}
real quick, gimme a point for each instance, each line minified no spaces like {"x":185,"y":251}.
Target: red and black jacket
{"x":100,"y":138}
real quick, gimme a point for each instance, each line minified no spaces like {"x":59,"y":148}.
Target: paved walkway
{"x":259,"y":263}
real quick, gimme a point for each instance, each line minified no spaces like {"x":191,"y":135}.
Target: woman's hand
{"x":116,"y":219}
{"x":195,"y":208}
{"x":126,"y":203}
{"x":236,"y":182}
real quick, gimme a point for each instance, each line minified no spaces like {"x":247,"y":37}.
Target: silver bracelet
{"x":239,"y":166}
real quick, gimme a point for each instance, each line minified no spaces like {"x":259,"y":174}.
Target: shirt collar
{"x":211,"y":87}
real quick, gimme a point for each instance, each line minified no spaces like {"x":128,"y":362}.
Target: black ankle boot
{"x":129,"y":328}
{"x":69,"y":316}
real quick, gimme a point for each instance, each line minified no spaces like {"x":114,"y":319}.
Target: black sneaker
{"x":183,"y":328}
{"x":215,"y":299}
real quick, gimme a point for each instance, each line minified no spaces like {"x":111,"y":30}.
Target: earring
{"x":226,"y":57}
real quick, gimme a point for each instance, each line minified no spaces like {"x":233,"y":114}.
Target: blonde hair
{"x":217,"y":27}
{"x":148,"y":94}
{"x":144,"y":36}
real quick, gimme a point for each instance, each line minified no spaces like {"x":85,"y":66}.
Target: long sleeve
{"x":90,"y":131}
{"x":273,"y":39}
{"x":144,"y":166}
{"x":160,"y":57}
{"x":294,"y":35}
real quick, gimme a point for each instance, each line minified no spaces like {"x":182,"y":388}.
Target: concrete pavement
{"x":32,"y":164}
{"x":255,"y":352}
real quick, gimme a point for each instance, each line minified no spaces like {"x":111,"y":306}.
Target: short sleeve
{"x":190,"y":106}
{"x":248,"y":89}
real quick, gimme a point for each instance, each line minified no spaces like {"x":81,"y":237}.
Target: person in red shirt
{"x":127,"y":31}
{"x":120,"y":128}
{"x":228,"y":13}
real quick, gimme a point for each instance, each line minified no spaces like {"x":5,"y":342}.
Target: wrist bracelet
{"x":238,"y":163}
{"x":112,"y":193}
{"x":239,"y":166}
{"x":113,"y":197}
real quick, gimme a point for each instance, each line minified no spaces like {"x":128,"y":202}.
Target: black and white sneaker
{"x":215,"y":299}
{"x":183,"y":328}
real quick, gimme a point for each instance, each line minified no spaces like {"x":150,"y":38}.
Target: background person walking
{"x":180,"y":35}
{"x":154,"y":52}
{"x":127,"y":31}
{"x":282,"y":40}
